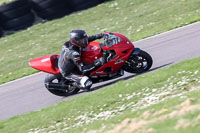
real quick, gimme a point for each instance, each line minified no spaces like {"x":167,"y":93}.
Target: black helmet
{"x":79,"y":37}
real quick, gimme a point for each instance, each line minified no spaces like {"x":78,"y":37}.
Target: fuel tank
{"x":91,"y":53}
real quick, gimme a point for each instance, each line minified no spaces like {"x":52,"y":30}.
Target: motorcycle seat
{"x":54,"y":61}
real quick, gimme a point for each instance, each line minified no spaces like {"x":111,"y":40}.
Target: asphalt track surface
{"x":29,"y":94}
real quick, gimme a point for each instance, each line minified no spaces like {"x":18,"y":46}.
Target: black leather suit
{"x":70,"y":63}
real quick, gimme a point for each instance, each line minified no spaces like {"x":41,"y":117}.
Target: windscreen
{"x":110,"y":40}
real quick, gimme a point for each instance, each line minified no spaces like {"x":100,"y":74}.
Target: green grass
{"x":136,"y":19}
{"x":2,"y":2}
{"x":168,"y":125}
{"x":103,"y":109}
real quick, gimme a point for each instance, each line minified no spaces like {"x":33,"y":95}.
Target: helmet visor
{"x":83,"y":42}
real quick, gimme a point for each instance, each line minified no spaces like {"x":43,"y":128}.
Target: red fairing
{"x":45,"y":64}
{"x":123,"y":51}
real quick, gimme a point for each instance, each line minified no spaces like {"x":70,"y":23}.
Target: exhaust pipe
{"x":56,"y":86}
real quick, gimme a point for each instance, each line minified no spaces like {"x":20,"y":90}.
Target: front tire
{"x":50,"y":78}
{"x":138,"y":63}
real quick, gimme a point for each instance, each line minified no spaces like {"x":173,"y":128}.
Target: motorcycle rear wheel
{"x":139,"y":63}
{"x":50,"y":78}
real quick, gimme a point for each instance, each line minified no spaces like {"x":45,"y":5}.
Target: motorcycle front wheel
{"x":139,"y":63}
{"x":50,"y":78}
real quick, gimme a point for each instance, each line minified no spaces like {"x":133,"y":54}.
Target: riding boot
{"x":87,"y":86}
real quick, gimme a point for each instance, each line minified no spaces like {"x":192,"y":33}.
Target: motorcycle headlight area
{"x":110,"y":40}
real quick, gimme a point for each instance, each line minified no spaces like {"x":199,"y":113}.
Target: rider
{"x":70,"y":63}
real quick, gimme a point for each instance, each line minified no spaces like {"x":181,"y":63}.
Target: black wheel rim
{"x":136,"y":63}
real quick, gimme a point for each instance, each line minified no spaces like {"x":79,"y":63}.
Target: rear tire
{"x":139,"y":63}
{"x":55,"y":78}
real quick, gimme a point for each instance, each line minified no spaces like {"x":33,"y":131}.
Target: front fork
{"x":136,"y":51}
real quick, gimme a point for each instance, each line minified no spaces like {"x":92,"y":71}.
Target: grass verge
{"x":2,"y":2}
{"x":158,"y":92}
{"x":135,"y":19}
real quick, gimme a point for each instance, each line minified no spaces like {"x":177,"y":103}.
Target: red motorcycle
{"x":120,"y":53}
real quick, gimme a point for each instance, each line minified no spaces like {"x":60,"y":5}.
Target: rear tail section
{"x":46,"y":64}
